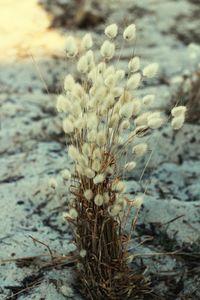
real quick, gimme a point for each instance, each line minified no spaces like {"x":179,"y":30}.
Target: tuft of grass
{"x":103,"y":120}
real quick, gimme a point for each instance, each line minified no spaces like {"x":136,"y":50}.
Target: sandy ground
{"x":32,"y":68}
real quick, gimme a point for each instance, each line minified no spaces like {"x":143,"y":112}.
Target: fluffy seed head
{"x":98,"y":200}
{"x":134,"y":81}
{"x":148,"y":99}
{"x":118,"y":186}
{"x":63,"y":104}
{"x":88,"y":194}
{"x":97,"y":154}
{"x":91,"y":136}
{"x":101,"y":138}
{"x":87,"y":41}
{"x":130,"y":166}
{"x":120,"y":74}
{"x":114,"y":210}
{"x":111,"y":31}
{"x":140,"y":149}
{"x":83,"y":253}
{"x":151,"y":70}
{"x":155,"y":123}
{"x":66,"y":175}
{"x":106,"y":197}
{"x":178,"y":111}
{"x":125,"y":124}
{"x":107,"y":50}
{"x":177,"y":122}
{"x":96,"y":165}
{"x":134,"y":64}
{"x":129,"y":32}
{"x":82,"y":65}
{"x":138,"y":201}
{"x":73,"y":213}
{"x":73,"y":152}
{"x":69,"y":83}
{"x":99,"y":178}
{"x":89,"y":173}
{"x":68,"y":126}
{"x":86,"y":149}
{"x":71,"y":47}
{"x":53,"y":183}
{"x":126,"y":110}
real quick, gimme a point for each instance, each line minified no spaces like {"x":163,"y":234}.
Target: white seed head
{"x":68,"y":126}
{"x":129,"y":32}
{"x":80,"y":170}
{"x":151,"y":70}
{"x":178,"y":111}
{"x":113,"y":121}
{"x":88,"y":194}
{"x":69,"y":83}
{"x":138,"y":201}
{"x":101,"y":138}
{"x":96,"y":154}
{"x":134,"y":81}
{"x":117,"y":92}
{"x":91,"y":135}
{"x":109,"y":70}
{"x":125,"y":97}
{"x":63,"y":104}
{"x":155,"y":123}
{"x":110,"y":170}
{"x":89,"y":173}
{"x":66,"y":175}
{"x":125,"y":124}
{"x":111,"y":31}
{"x":114,"y":210}
{"x":71,"y":47}
{"x":73,"y":152}
{"x":83,"y":253}
{"x":76,"y":109}
{"x":148,"y":99}
{"x":96,"y":165}
{"x":99,"y":178}
{"x":120,"y":74}
{"x":53,"y":183}
{"x":82,"y":65}
{"x":118,"y":186}
{"x":177,"y":122}
{"x":110,"y":80}
{"x":92,"y":121}
{"x":126,"y":110}
{"x":87,"y":41}
{"x":86,"y":149}
{"x":73,"y":213}
{"x":136,"y":107}
{"x":83,"y":161}
{"x":90,"y":59}
{"x":134,"y":64}
{"x":130,"y":166}
{"x":107,"y":50}
{"x":140,"y":149}
{"x":67,"y":291}
{"x":142,"y":119}
{"x":101,"y":67}
{"x":106,"y":197}
{"x":98,"y":200}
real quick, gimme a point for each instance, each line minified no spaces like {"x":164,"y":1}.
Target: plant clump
{"x":102,"y":118}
